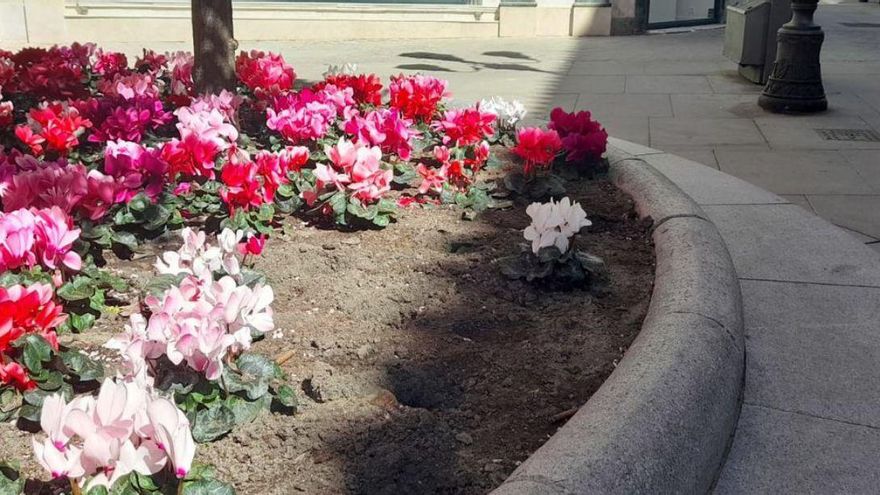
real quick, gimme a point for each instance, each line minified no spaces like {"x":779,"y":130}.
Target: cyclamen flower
{"x":417,"y":97}
{"x":253,"y":245}
{"x":28,"y":309}
{"x":135,"y":168}
{"x":31,"y":183}
{"x":466,"y":126}
{"x":264,"y":73}
{"x":432,"y":179}
{"x":537,"y":147}
{"x":52,"y":127}
{"x":582,"y":137}
{"x":366,"y":88}
{"x":200,"y":258}
{"x":14,"y":375}
{"x":31,"y":237}
{"x":126,"y":428}
{"x":6,"y":115}
{"x":553,"y":224}
{"x":509,"y":113}
{"x":109,"y":64}
{"x":357,"y":167}
{"x":180,"y":65}
{"x":301,"y":118}
{"x":384,"y":128}
{"x":54,"y":73}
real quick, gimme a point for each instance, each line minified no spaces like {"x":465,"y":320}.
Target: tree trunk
{"x":214,"y":45}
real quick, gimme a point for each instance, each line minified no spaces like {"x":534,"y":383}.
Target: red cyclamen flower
{"x":537,"y":147}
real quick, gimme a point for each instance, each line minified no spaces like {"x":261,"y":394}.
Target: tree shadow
{"x":424,"y":67}
{"x":509,"y":54}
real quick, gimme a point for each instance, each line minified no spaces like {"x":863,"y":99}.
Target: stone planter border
{"x":662,"y":422}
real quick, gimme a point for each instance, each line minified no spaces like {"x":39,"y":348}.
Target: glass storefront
{"x":671,"y":13}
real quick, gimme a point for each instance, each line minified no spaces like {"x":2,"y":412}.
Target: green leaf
{"x":246,"y":411}
{"x":382,"y":220}
{"x":139,"y":203}
{"x":213,"y":423}
{"x":156,"y":216}
{"x":77,"y":289}
{"x":83,"y":322}
{"x":127,"y":239}
{"x":124,"y":486}
{"x":97,"y":490}
{"x":286,"y":396}
{"x":144,"y":482}
{"x":258,"y":366}
{"x":159,"y":284}
{"x":35,"y":351}
{"x":96,"y":301}
{"x":81,"y":365}
{"x":207,"y":487}
{"x":200,"y":472}
{"x":11,"y":481}
{"x":51,"y":382}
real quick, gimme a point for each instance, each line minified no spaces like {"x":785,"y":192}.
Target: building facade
{"x":63,"y":21}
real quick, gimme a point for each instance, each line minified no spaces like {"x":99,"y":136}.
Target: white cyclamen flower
{"x":509,"y":113}
{"x":553,"y":224}
{"x":347,"y":69}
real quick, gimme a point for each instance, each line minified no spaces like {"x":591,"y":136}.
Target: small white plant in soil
{"x":552,"y":258}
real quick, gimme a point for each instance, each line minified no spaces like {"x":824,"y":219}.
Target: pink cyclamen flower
{"x":173,"y":435}
{"x":54,"y":239}
{"x":432,"y":179}
{"x":58,"y":463}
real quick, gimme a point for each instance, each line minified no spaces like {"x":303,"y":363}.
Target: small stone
{"x":328,"y":247}
{"x":465,"y":438}
{"x":364,"y":351}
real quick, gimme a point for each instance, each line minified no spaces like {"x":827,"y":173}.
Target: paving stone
{"x":867,"y":164}
{"x":684,"y":67}
{"x":605,"y":67}
{"x":633,"y":129}
{"x":707,"y":185}
{"x":667,"y":85}
{"x":800,"y":200}
{"x":703,"y":132}
{"x":794,"y":172}
{"x":630,"y":147}
{"x":781,"y":452}
{"x":800,"y":132}
{"x":616,"y":106}
{"x":731,"y":82}
{"x":783,"y":242}
{"x":717,"y":106}
{"x":704,"y":155}
{"x":813,"y":349}
{"x":859,"y":213}
{"x":593,"y":84}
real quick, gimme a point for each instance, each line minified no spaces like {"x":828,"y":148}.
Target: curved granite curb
{"x":662,"y":422}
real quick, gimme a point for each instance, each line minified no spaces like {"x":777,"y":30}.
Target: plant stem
{"x":180,"y":487}
{"x":74,"y":487}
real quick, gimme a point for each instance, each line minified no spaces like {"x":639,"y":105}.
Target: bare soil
{"x":422,"y":369}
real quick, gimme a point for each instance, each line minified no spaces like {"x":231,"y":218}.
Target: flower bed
{"x":104,"y":163}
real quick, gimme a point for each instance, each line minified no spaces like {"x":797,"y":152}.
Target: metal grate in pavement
{"x":849,"y":135}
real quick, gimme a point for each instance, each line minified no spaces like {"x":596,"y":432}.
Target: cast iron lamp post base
{"x":795,"y":84}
